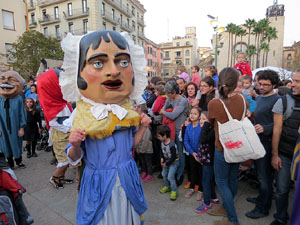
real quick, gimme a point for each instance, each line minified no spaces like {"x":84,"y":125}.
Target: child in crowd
{"x":169,"y":161}
{"x":211,"y":71}
{"x":206,"y":157}
{"x":247,"y":85}
{"x":187,"y":159}
{"x":183,"y":74}
{"x":33,"y":127}
{"x":181,"y":84}
{"x":191,"y":90}
{"x":191,"y":142}
{"x":242,"y":65}
{"x":152,"y":97}
{"x":160,"y":100}
{"x":144,"y":149}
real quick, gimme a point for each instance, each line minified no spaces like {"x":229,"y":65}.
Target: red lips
{"x":112,"y":84}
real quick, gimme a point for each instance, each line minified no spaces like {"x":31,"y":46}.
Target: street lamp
{"x":215,"y":24}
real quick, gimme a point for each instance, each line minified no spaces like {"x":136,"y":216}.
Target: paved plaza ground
{"x":49,"y":206}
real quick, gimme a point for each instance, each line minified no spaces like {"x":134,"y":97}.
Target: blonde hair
{"x":241,"y":53}
{"x":181,"y":68}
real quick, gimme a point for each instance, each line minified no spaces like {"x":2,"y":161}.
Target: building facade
{"x":58,"y":17}
{"x":181,"y":51}
{"x":288,"y":57}
{"x":12,"y":25}
{"x":275,"y":15}
{"x":154,"y":57}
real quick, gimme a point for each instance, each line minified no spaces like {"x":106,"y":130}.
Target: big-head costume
{"x":12,"y":115}
{"x":103,"y":71}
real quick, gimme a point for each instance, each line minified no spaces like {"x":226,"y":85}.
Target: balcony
{"x":126,"y":27}
{"x":77,"y":13}
{"x":31,"y":6}
{"x":141,"y":22}
{"x":58,"y":36}
{"x":141,"y":35}
{"x":80,"y":31}
{"x":47,"y":19}
{"x":121,"y":7}
{"x":33,"y":25}
{"x":109,"y":17}
{"x":44,"y":3}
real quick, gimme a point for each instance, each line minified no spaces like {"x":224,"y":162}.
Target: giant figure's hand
{"x":76,"y":137}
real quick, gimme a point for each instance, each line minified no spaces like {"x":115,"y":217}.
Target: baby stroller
{"x":12,"y":208}
{"x":43,"y":142}
{"x":247,"y":172}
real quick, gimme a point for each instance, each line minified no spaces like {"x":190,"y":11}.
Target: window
{"x":288,"y":64}
{"x":31,"y":4}
{"x":84,"y":6}
{"x":113,"y":14}
{"x":178,"y":54}
{"x":187,"y":52}
{"x":149,"y":62}
{"x":85,"y":26}
{"x":71,"y":27}
{"x":187,"y":61}
{"x":289,"y":56}
{"x":178,"y":62}
{"x":134,"y":38}
{"x":187,"y":43}
{"x":103,"y":8}
{"x":167,"y":55}
{"x":133,"y":25}
{"x":132,"y":10}
{"x":9,"y":56}
{"x":137,"y":15}
{"x":128,"y":22}
{"x":161,"y":55}
{"x":177,"y":43}
{"x":104,"y":25}
{"x":8,"y":20}
{"x":46,"y":31}
{"x":57,"y":31}
{"x":114,"y":28}
{"x":121,"y":19}
{"x":70,"y":13}
{"x":166,"y":72}
{"x":33,"y":18}
{"x":149,"y":50}
{"x":56,"y":14}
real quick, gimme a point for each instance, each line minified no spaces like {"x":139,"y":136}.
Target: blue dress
{"x":106,"y":159}
{"x":10,"y":142}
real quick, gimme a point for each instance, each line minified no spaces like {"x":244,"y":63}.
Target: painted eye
{"x":124,"y":63}
{"x":98,"y":64}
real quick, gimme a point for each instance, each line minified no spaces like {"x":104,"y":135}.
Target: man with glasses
{"x":267,"y":81}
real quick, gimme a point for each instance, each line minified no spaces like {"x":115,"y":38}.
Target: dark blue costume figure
{"x":12,"y":117}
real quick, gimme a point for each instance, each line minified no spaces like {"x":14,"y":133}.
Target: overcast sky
{"x":168,"y":18}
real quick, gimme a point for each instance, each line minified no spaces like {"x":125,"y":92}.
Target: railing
{"x":47,"y":19}
{"x":126,"y":27}
{"x":77,"y":13}
{"x":43,"y":3}
{"x":32,"y":24}
{"x":109,"y":17}
{"x":141,"y":35}
{"x":121,"y":7}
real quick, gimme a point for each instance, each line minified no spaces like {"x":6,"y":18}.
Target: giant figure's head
{"x":11,"y":84}
{"x":105,"y":73}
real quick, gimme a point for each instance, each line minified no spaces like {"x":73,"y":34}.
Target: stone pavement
{"x":49,"y":206}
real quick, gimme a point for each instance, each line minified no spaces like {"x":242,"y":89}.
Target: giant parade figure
{"x":103,"y":72}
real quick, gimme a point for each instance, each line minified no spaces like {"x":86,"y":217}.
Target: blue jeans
{"x":226,"y":175}
{"x":264,"y":175}
{"x":283,"y":185}
{"x":169,"y":175}
{"x":208,"y":183}
{"x":181,"y":157}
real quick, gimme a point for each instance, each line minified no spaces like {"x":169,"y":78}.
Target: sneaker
{"x":203,"y":208}
{"x":34,"y":155}
{"x":215,"y":202}
{"x":187,"y":185}
{"x":196,"y":188}
{"x":199,"y":196}
{"x":165,"y":190}
{"x":277,"y":222}
{"x":143,"y":175}
{"x":21,"y":165}
{"x":28,"y":155}
{"x":189,"y":193}
{"x":148,"y":178}
{"x":173,"y":195}
{"x":218,"y":211}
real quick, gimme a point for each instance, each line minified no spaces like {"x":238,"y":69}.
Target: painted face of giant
{"x":10,"y":84}
{"x":108,"y":73}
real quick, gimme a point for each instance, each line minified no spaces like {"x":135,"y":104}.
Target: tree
{"x":266,"y":48}
{"x":229,"y":29}
{"x":233,"y":43}
{"x":242,"y":33}
{"x":250,"y":53}
{"x":29,"y":48}
{"x":249,"y":24}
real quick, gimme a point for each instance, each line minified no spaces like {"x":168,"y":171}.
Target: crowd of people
{"x":183,"y":137}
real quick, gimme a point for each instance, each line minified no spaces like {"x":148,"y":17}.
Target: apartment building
{"x":154,"y":56}
{"x":58,"y":17}
{"x":12,"y":25}
{"x":181,"y":51}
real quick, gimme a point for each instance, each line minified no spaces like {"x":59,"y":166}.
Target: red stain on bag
{"x":233,"y":145}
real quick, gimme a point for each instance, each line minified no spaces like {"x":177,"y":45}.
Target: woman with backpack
{"x":226,"y":174}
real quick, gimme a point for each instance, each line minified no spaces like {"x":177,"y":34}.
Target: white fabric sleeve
{"x":72,"y":162}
